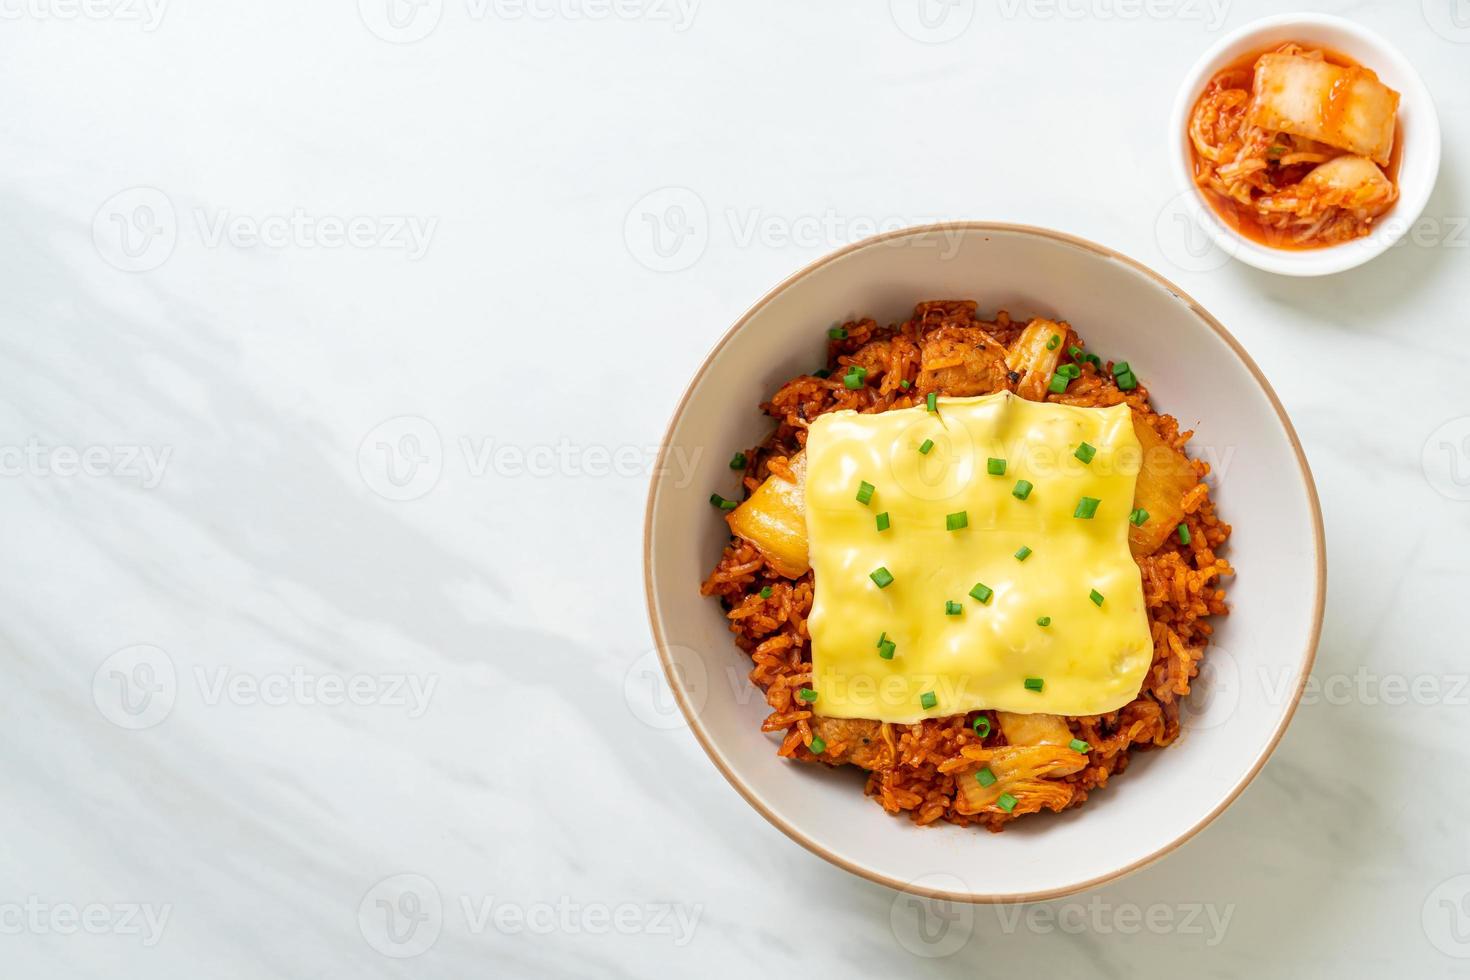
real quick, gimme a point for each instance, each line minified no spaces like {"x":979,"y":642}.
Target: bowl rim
{"x":1321,"y":261}
{"x":695,"y":723}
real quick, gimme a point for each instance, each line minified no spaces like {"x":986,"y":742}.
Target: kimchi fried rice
{"x":917,"y":768}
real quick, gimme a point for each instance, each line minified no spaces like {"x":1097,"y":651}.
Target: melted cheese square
{"x":1091,"y":658}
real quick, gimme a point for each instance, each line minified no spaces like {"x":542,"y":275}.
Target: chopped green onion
{"x":1121,"y":367}
{"x":956,"y":521}
{"x":981,"y":726}
{"x":882,"y":637}
{"x":767,"y":592}
{"x":924,"y":447}
{"x":883,"y":521}
{"x":886,"y":649}
{"x":1086,"y":508}
{"x":865,"y":492}
{"x":985,"y":777}
{"x":982,"y":592}
{"x":1086,"y":452}
{"x":931,"y":402}
{"x":905,"y":383}
{"x":1022,"y":489}
{"x":1183,"y":534}
{"x":1006,"y":802}
{"x":1126,"y":382}
{"x":1023,"y":553}
{"x":1138,"y":518}
{"x":1034,"y":683}
{"x":807,"y":695}
{"x":1077,"y":745}
{"x":722,"y":503}
{"x":928,"y":700}
{"x":854,"y":377}
{"x":1043,"y":621}
{"x":822,"y":373}
{"x":1092,"y":359}
{"x":995,"y":467}
{"x":1054,"y":342}
{"x":1074,"y":351}
{"x":837,"y":333}
{"x":1058,"y":384}
{"x":1096,"y":597}
{"x":1069,"y":370}
{"x":737,"y":462}
{"x":952,"y":608}
{"x":818,"y":746}
{"x":881,"y":577}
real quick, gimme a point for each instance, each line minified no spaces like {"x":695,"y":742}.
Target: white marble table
{"x":327,"y":416}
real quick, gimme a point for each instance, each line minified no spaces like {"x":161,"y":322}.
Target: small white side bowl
{"x":1418,"y":131}
{"x":1252,"y":676}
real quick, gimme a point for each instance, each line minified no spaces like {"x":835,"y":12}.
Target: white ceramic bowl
{"x":1194,"y":370}
{"x":1418,"y":130}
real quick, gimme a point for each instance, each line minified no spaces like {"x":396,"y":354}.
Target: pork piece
{"x":961,"y":361}
{"x":856,"y":740}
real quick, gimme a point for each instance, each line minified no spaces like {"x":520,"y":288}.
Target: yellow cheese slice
{"x":1090,"y":658}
